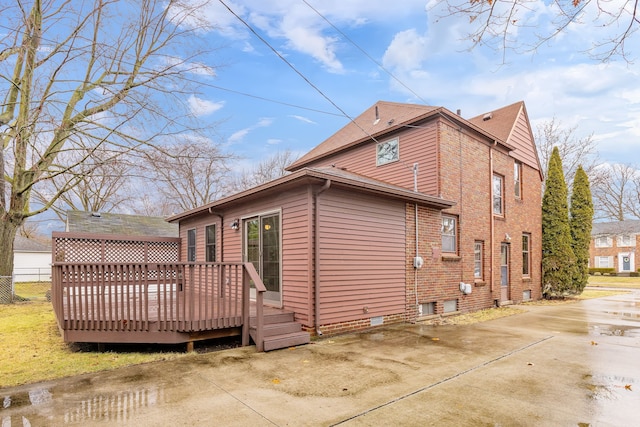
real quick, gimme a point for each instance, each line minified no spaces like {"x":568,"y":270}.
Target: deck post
{"x":246,"y":315}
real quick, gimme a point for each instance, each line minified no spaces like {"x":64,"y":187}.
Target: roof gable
{"x":380,"y":118}
{"x":511,"y":124}
{"x":112,"y":223}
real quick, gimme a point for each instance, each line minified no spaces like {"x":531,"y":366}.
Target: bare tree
{"x":573,"y":151}
{"x":500,"y":24}
{"x":267,"y":170}
{"x":184,"y":175}
{"x":79,"y":76}
{"x":101,"y":184}
{"x":616,"y":194}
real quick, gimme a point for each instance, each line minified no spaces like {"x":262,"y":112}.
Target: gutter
{"x":316,"y":274}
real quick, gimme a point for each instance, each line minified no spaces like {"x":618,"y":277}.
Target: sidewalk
{"x":553,"y":365}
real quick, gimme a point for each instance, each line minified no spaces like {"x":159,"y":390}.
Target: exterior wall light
{"x":235,"y":224}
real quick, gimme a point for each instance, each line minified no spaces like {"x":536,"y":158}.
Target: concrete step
{"x":286,"y":340}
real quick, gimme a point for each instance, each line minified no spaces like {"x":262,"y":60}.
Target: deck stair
{"x":280,"y":330}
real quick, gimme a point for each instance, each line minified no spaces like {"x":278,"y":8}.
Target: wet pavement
{"x":563,"y":365}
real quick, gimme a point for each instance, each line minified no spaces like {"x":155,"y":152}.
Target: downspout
{"x":316,"y":275}
{"x":492,"y":222}
{"x":415,"y":267}
{"x":219,"y":215}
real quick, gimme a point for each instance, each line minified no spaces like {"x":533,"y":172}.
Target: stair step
{"x":271,"y":318}
{"x":281,"y":328}
{"x":286,"y":340}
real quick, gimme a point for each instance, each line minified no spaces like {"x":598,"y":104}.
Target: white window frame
{"x":603,"y":242}
{"x":477,"y":259}
{"x":526,"y":254}
{"x":599,"y":262}
{"x":497,"y":194}
{"x":517,"y":179}
{"x":385,"y":153}
{"x":450,"y":234}
{"x":630,"y":240}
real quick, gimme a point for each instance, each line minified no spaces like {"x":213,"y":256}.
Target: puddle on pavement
{"x":614,"y":331}
{"x":28,"y":408}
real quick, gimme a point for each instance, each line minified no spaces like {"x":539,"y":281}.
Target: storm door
{"x":262,"y":249}
{"x":504,"y":272}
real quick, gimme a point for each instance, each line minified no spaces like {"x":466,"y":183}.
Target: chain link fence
{"x":6,"y":289}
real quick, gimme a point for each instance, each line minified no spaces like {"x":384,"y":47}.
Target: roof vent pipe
{"x":458,"y":112}
{"x":487,"y":116}
{"x":375,"y":122}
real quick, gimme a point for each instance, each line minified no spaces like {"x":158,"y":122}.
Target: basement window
{"x":428,"y":309}
{"x":451,"y":306}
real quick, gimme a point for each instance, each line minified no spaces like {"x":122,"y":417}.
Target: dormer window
{"x":387,"y":152}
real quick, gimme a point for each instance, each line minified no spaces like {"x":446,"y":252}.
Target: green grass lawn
{"x":32,"y":349}
{"x":614,"y":282}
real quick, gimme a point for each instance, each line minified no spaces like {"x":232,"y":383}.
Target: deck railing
{"x":138,"y":298}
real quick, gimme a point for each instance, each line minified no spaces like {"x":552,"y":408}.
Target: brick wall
{"x":615,"y":252}
{"x":355,"y":325}
{"x":466,"y":173}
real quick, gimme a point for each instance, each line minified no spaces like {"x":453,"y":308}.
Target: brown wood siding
{"x":362,"y":248}
{"x":416,"y":145}
{"x":521,"y":139}
{"x":294,"y":207}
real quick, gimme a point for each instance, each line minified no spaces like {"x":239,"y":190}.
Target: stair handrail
{"x":253,"y":276}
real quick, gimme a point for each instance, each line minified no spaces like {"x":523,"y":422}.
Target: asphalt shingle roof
{"x":616,"y":228}
{"x":112,"y":223}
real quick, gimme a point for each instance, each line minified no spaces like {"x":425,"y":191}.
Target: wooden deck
{"x":155,"y":303}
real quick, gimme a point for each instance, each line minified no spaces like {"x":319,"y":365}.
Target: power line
{"x":365,"y":53}
{"x":274,"y":50}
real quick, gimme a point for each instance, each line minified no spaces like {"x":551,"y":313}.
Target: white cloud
{"x":406,"y":52}
{"x":238,"y":136}
{"x":274,"y":141}
{"x":201,"y":107}
{"x":303,"y":119}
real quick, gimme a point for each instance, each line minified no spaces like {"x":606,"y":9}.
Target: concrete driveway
{"x":564,"y":365}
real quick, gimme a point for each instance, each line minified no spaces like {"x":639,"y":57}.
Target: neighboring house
{"x":31,"y":260}
{"x":408,"y":211}
{"x":614,"y":245}
{"x":120,"y":224}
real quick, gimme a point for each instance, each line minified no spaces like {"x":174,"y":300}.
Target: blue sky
{"x":429,"y":55}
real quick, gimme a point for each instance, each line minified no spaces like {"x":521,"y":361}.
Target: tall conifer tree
{"x":558,"y":260}
{"x":581,"y":218}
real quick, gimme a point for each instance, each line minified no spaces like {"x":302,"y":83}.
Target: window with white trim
{"x":526,"y":254}
{"x":387,"y":152}
{"x":604,"y":262}
{"x":449,"y":234}
{"x":604,"y":242}
{"x":477,"y":259}
{"x":517,"y":179}
{"x":626,"y":240}
{"x":498,"y":199}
